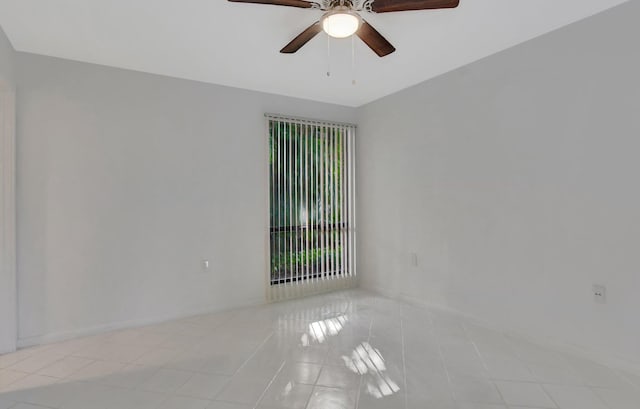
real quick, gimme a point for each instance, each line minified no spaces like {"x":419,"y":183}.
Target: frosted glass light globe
{"x":341,"y":22}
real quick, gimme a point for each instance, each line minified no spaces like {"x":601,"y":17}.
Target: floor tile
{"x":27,"y":406}
{"x":633,"y":379}
{"x":136,"y":399}
{"x":617,"y":399}
{"x":381,"y":392}
{"x":332,"y":398}
{"x":219,"y":363}
{"x":189,"y":360}
{"x":70,"y":346}
{"x":203,"y":386}
{"x":157,"y":356}
{"x":384,"y":354}
{"x":166,"y":380}
{"x":574,"y":397}
{"x":8,"y":376}
{"x":182,"y":402}
{"x":96,"y":370}
{"x":338,"y":377}
{"x":55,"y":395}
{"x":180,"y":341}
{"x":300,"y":372}
{"x":597,"y":375}
{"x":558,"y":372}
{"x":130,"y":376}
{"x":475,"y":390}
{"x":228,"y":405}
{"x":118,"y":352}
{"x":138,"y":337}
{"x":36,"y":362}
{"x":26,"y":384}
{"x":266,"y":364}
{"x":310,"y":354}
{"x":5,"y":403}
{"x":425,"y":387}
{"x":13,"y":358}
{"x":92,"y":396}
{"x":65,"y":367}
{"x":244,"y":389}
{"x":287,"y":395}
{"x":467,"y":405}
{"x":525,"y":394}
{"x":422,"y":404}
{"x":508,"y":369}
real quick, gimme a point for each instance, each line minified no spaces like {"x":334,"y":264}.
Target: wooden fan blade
{"x":375,"y":40}
{"x":385,"y":6}
{"x":302,"y":38}
{"x":289,"y":3}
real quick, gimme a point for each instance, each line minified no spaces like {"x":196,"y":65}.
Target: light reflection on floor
{"x":366,"y":360}
{"x":346,"y":350}
{"x":319,"y":331}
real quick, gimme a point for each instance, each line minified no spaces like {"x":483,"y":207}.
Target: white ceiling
{"x":237,"y":44}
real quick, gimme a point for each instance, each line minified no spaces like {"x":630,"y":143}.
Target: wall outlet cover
{"x":599,"y":294}
{"x":413,"y":259}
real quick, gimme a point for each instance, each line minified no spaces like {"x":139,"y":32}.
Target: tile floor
{"x":344,"y":350}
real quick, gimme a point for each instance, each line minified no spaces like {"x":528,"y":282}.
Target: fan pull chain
{"x":353,"y":60}
{"x":328,"y":55}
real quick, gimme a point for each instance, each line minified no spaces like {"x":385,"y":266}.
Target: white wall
{"x":516,"y":181}
{"x":126,"y":181}
{"x":7,"y":272}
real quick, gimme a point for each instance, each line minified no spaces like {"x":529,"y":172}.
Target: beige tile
{"x":258,"y":357}
{"x":166,"y":380}
{"x":65,"y":367}
{"x":182,"y":402}
{"x":96,"y":370}
{"x":203,"y":386}
{"x":8,"y":376}
{"x":35,"y":362}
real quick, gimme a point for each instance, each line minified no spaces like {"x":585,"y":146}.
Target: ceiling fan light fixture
{"x":342,"y":19}
{"x":341,"y":22}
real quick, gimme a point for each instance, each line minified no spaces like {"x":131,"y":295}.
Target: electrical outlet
{"x":413,"y":259}
{"x":599,"y":294}
{"x":205,"y":266}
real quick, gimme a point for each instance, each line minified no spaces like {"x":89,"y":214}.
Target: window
{"x":312,"y":208}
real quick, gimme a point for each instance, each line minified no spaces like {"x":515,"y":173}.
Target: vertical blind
{"x":312,"y":206}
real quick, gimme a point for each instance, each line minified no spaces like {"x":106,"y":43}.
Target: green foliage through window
{"x":309,"y":201}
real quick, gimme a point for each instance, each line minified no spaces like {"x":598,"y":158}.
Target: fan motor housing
{"x":338,"y":3}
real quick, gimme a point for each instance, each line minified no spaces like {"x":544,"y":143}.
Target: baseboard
{"x":601,"y":357}
{"x":385,"y":292}
{"x":100,"y":329}
{"x":278,"y":293}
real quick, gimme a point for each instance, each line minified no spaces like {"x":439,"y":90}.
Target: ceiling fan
{"x":342,"y":19}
